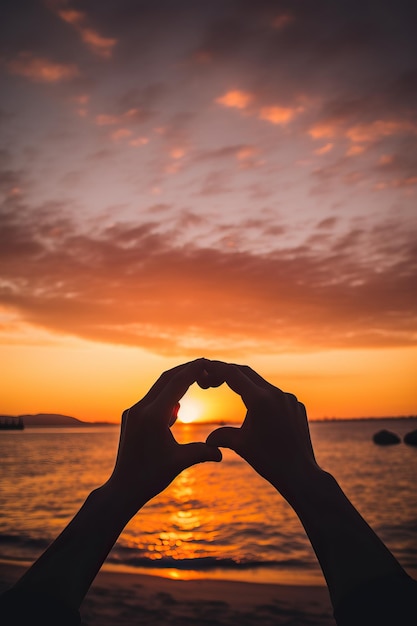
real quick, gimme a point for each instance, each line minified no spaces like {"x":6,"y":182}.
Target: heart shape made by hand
{"x":210,"y":379}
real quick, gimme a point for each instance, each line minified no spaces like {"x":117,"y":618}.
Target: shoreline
{"x":132,"y":599}
{"x":255,"y":575}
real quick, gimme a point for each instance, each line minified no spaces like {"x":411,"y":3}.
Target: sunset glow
{"x":237,"y":182}
{"x":190,"y":411}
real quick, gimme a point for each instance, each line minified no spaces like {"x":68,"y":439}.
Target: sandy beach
{"x":122,"y":599}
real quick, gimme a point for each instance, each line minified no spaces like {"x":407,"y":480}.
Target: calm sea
{"x":215,"y":520}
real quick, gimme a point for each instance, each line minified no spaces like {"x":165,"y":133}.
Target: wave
{"x":24,"y":541}
{"x":24,"y":546}
{"x":206,"y":563}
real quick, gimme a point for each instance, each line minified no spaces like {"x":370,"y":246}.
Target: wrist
{"x":122,"y":503}
{"x":308,"y":488}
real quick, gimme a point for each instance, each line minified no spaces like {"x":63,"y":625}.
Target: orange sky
{"x":236,"y":182}
{"x":96,"y":381}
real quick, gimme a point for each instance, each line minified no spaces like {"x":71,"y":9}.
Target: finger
{"x":304,"y":421}
{"x":291,"y":398}
{"x":125,"y":416}
{"x":174,"y":414}
{"x":236,"y":379}
{"x":198,"y":452}
{"x":211,"y":376}
{"x":162,"y":381}
{"x":225,"y":437}
{"x":255,"y":377}
{"x":177,"y":385}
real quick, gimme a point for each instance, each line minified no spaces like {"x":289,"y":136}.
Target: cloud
{"x":103,"y":119}
{"x":103,"y":46}
{"x":177,"y":153}
{"x":82,"y":99}
{"x":367,"y":133}
{"x":324,"y":149}
{"x":282,"y":20}
{"x":324,"y":130}
{"x":99,"y":45}
{"x":131,"y":116}
{"x":375,"y":139}
{"x":215,"y":183}
{"x":235,"y":99}
{"x":363,"y":133}
{"x":126,"y":120}
{"x":396,"y":183}
{"x":229,"y":87}
{"x":121,"y":133}
{"x":133,"y":284}
{"x":249,"y":103}
{"x":40,"y":69}
{"x":278,"y":115}
{"x":355,"y":150}
{"x":245,"y":154}
{"x":139,"y":141}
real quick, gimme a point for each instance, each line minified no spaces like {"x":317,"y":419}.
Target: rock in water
{"x":411,"y":438}
{"x":386,"y":438}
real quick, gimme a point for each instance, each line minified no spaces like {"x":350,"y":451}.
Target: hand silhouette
{"x":274,"y":437}
{"x":149,"y":457}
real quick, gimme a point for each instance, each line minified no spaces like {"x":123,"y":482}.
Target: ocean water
{"x":215,"y":520}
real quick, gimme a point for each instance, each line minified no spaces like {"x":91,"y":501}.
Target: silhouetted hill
{"x":52,"y":419}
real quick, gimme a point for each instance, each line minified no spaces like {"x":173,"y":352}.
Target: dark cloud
{"x":332,"y":85}
{"x":130,"y":284}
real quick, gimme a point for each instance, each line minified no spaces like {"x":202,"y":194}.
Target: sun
{"x":190,"y":411}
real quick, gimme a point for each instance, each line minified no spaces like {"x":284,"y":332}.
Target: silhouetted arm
{"x":148,"y":459}
{"x":274,"y":438}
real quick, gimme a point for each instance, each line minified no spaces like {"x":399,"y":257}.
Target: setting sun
{"x":190,"y":411}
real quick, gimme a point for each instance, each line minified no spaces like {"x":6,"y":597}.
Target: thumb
{"x":225,"y":437}
{"x":198,"y":452}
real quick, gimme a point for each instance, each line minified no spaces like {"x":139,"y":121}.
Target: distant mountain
{"x":52,"y":419}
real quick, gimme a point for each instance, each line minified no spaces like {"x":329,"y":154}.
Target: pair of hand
{"x":273,"y":438}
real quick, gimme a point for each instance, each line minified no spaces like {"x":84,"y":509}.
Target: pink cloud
{"x":101,"y":46}
{"x":235,"y":99}
{"x":245,"y":101}
{"x":366,"y":133}
{"x":324,"y":149}
{"x":121,"y":133}
{"x":40,"y":69}
{"x":177,"y":153}
{"x":355,"y":150}
{"x":278,"y":115}
{"x":139,"y":141}
{"x":71,"y":16}
{"x":129,"y":116}
{"x":360,"y":134}
{"x":107,"y":120}
{"x":324,"y":130}
{"x":119,"y":284}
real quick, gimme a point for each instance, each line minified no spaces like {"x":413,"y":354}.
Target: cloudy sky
{"x":234,"y":179}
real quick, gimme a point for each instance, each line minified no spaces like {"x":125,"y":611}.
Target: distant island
{"x":39,"y":420}
{"x":364,"y":419}
{"x":48,"y":419}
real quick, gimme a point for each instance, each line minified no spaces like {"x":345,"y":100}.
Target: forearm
{"x":348,"y":550}
{"x":68,"y":567}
